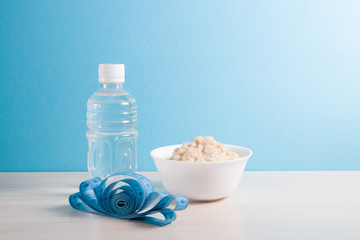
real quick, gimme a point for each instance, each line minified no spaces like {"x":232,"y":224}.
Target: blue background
{"x":279,"y":77}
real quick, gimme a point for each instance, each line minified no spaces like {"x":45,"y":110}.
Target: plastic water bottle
{"x":111,"y":118}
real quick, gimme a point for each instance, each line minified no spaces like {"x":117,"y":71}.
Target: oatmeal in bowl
{"x":203,"y":149}
{"x":203,"y":169}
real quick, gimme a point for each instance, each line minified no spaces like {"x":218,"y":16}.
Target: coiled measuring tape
{"x":128,"y":196}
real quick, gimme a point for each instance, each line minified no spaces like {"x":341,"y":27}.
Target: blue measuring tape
{"x":128,"y":196}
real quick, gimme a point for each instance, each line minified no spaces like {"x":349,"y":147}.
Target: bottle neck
{"x":112,"y":85}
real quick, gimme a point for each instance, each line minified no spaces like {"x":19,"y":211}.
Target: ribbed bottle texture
{"x":111,"y":118}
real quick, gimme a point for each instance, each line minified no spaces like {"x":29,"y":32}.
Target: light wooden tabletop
{"x":266,"y":205}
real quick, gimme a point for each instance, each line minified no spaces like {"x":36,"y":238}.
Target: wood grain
{"x":266,"y":205}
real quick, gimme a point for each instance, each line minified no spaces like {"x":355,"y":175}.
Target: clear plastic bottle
{"x":111,"y":118}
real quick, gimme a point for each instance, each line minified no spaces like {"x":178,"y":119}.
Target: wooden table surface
{"x":266,"y":205}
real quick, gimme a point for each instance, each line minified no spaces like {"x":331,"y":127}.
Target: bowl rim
{"x":155,"y":158}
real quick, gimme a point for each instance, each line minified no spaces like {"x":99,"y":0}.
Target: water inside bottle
{"x":111,"y":118}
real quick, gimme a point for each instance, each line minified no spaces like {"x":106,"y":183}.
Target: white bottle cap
{"x":111,"y":73}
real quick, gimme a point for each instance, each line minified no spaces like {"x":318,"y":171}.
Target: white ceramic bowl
{"x":203,"y":181}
